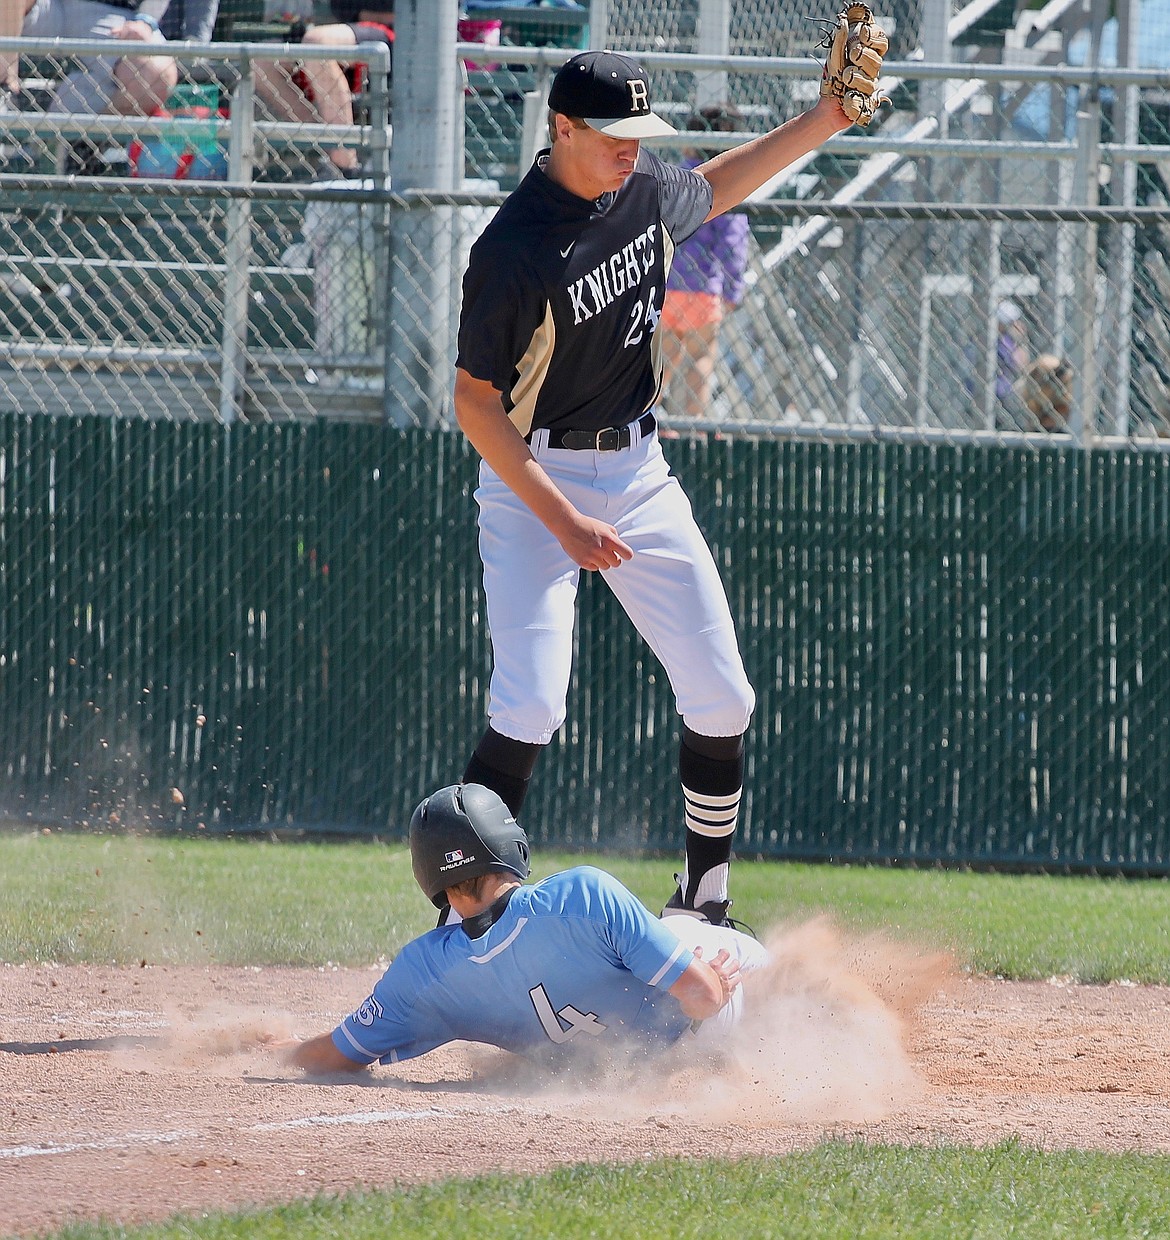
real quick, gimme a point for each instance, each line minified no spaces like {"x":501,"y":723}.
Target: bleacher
{"x":88,"y":278}
{"x":495,"y":96}
{"x":102,"y":273}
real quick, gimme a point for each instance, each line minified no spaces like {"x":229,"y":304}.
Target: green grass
{"x":836,"y":1191}
{"x":168,"y":900}
{"x":118,"y":899}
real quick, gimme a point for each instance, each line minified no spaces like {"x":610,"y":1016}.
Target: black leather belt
{"x":611,"y":439}
{"x":131,"y":6}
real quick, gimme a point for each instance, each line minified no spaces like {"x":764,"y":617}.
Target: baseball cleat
{"x":713,"y":911}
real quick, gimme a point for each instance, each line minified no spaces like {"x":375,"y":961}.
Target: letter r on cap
{"x":639,"y":96}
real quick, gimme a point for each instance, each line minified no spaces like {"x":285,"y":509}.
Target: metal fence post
{"x":936,"y":48}
{"x":1086,"y":180}
{"x":237,"y":249}
{"x":427,"y":115}
{"x":380,"y":139}
{"x":598,"y":23}
{"x":1063,"y":258}
{"x":857,"y":310}
{"x":714,"y":40}
{"x":1121,"y":273}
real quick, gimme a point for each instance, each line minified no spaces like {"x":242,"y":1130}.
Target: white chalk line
{"x":110,"y":1143}
{"x":131,"y":1139}
{"x":359,"y":1117}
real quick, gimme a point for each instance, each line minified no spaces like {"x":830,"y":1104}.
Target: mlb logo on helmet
{"x":453,"y":860}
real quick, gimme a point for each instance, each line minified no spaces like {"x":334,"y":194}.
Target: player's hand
{"x":594,"y":545}
{"x":726,"y":968}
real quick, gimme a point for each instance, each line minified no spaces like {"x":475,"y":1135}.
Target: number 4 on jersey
{"x":551,"y":1021}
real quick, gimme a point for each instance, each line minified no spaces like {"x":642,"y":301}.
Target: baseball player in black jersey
{"x":558,"y":370}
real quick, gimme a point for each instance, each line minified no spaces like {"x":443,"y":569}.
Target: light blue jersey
{"x":575,"y":959}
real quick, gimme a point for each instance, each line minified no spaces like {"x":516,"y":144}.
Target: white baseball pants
{"x":670,"y":589}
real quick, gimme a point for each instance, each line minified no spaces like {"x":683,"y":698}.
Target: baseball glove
{"x":856,"y":47}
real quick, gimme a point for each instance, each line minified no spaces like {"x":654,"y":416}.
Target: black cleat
{"x":713,"y":911}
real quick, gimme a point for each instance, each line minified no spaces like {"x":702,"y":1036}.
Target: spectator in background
{"x":1011,"y":350}
{"x":192,"y":20}
{"x":1011,"y":357}
{"x":706,"y":280}
{"x":129,"y":86}
{"x":1044,"y":387}
{"x":321,"y":91}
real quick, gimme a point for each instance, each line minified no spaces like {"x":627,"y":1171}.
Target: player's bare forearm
{"x":480,"y":414}
{"x":589,"y":543}
{"x":319,"y":1057}
{"x":735,"y":173}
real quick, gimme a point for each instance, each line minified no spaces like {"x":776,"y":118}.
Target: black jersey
{"x":562,"y":295}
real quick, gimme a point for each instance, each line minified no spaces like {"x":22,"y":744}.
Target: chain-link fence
{"x":886,"y":303}
{"x":272,"y":293}
{"x":172,"y":265}
{"x":247,"y":594}
{"x":960,"y":653}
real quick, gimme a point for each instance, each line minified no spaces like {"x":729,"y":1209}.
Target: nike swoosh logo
{"x":565,"y":251}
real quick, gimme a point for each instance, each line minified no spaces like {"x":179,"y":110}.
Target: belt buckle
{"x":609,"y":439}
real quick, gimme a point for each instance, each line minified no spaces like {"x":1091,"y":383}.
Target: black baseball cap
{"x":610,"y":93}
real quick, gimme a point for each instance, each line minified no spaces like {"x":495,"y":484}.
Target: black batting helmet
{"x":461,"y":832}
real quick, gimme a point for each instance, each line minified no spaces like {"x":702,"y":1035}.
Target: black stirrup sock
{"x":710,"y":770}
{"x":505,"y":766}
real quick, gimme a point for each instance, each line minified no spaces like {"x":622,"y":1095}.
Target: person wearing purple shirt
{"x":1011,"y":358}
{"x":706,"y":280}
{"x":1011,"y":352}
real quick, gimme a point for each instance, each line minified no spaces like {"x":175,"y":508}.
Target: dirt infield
{"x":132,"y":1093}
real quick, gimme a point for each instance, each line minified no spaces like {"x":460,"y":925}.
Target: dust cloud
{"x":823,"y":1039}
{"x":824,"y":1035}
{"x":211,"y":1040}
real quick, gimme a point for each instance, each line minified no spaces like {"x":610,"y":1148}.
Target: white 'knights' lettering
{"x":633,"y":271}
{"x":643,"y":243}
{"x":600,"y":288}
